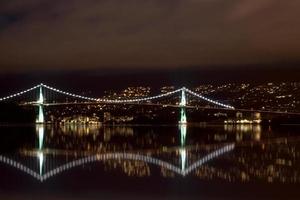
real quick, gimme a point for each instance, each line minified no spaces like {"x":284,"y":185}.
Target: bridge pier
{"x":40,"y":118}
{"x":183,"y":118}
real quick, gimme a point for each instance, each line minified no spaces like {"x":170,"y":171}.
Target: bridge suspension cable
{"x":117,"y":101}
{"x":139,"y":99}
{"x":68,"y":93}
{"x":207,"y":99}
{"x":19,"y":93}
{"x":111,"y":100}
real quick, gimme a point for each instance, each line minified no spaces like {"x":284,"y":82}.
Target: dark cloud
{"x":75,"y":34}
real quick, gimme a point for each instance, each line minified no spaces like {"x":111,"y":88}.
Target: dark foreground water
{"x":149,"y":162}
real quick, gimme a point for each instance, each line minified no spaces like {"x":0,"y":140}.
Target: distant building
{"x":239,"y":115}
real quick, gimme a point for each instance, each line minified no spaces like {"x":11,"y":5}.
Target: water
{"x":149,"y":162}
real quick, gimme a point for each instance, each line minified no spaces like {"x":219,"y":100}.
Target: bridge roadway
{"x":163,"y":105}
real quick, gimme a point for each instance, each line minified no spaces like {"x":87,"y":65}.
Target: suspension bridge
{"x":41,"y":102}
{"x":41,"y":91}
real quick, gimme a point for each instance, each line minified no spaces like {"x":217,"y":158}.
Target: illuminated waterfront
{"x":159,"y":158}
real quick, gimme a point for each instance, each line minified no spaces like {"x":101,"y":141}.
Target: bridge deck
{"x":163,"y":105}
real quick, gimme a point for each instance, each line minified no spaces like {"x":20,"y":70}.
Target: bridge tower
{"x":182,"y":104}
{"x":40,"y":102}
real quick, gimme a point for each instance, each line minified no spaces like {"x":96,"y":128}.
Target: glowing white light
{"x":204,"y":98}
{"x":183,"y":158}
{"x":41,"y":162}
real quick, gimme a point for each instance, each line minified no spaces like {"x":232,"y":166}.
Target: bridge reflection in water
{"x":246,"y":153}
{"x":43,"y":175}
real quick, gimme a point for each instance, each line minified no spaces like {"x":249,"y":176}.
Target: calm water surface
{"x":149,"y":162}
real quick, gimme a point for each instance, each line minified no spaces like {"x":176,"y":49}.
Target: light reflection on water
{"x":242,"y":153}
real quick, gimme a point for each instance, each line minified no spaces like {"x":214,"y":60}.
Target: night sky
{"x":141,"y":34}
